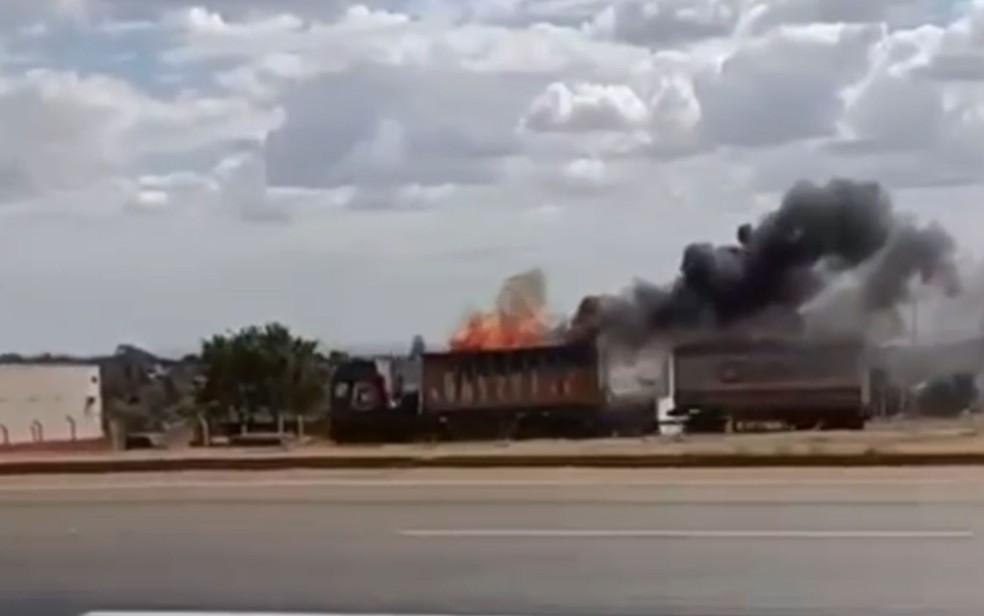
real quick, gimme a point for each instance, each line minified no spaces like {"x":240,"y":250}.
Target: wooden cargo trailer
{"x":545,"y":390}
{"x":800,"y":383}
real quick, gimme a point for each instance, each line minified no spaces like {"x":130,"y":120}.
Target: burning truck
{"x":746,"y":332}
{"x":507,"y":373}
{"x":560,"y":390}
{"x":576,"y":390}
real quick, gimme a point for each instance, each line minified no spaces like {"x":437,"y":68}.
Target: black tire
{"x":707,"y":421}
{"x":855,"y":423}
{"x":340,"y":433}
{"x":843,"y":423}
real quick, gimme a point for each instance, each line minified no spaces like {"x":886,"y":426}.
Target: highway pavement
{"x":564,"y":541}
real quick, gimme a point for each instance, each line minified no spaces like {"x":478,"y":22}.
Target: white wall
{"x":52,"y":396}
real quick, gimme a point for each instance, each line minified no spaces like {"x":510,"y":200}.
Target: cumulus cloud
{"x":64,"y":130}
{"x":585,"y":107}
{"x":342,"y":156}
{"x":665,"y":23}
{"x":587,"y":172}
{"x":785,"y":85}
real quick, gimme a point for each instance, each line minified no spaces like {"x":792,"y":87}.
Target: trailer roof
{"x":764,"y":343}
{"x":574,"y":347}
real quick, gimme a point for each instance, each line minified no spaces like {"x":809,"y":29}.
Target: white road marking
{"x":140,"y":613}
{"x":220,"y":613}
{"x":682,"y":482}
{"x":502,"y":533}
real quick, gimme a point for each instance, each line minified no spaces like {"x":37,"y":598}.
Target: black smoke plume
{"x":780,"y":263}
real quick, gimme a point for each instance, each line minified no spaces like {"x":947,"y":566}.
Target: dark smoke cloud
{"x":777,"y":265}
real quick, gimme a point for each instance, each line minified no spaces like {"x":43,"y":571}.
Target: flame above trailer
{"x":518,"y":319}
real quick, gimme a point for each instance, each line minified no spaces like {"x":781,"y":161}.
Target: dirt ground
{"x":963,"y":435}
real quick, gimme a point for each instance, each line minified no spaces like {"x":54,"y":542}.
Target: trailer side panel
{"x":798,"y":382}
{"x":536,"y":378}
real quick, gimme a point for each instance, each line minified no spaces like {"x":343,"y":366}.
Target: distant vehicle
{"x":547,"y":391}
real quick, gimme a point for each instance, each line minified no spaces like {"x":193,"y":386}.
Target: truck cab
{"x":373,"y":399}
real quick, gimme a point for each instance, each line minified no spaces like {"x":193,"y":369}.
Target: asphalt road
{"x":861,"y":541}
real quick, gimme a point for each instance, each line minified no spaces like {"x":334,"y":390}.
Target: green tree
{"x":261,"y":369}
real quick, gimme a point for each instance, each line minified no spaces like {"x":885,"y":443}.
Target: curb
{"x":275,"y":463}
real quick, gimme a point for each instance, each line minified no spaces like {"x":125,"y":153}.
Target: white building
{"x":47,"y":403}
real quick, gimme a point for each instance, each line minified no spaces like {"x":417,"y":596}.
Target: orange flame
{"x":491,"y":330}
{"x":518,"y":320}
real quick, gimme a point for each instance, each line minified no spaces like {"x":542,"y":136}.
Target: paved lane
{"x":494,"y":542}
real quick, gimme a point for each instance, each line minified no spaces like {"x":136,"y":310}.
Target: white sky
{"x":364,"y":172}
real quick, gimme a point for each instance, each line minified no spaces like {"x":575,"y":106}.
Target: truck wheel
{"x":340,"y":433}
{"x":843,"y":423}
{"x":855,"y":423}
{"x":707,"y":421}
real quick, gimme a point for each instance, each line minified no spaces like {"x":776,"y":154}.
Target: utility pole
{"x":915,"y":321}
